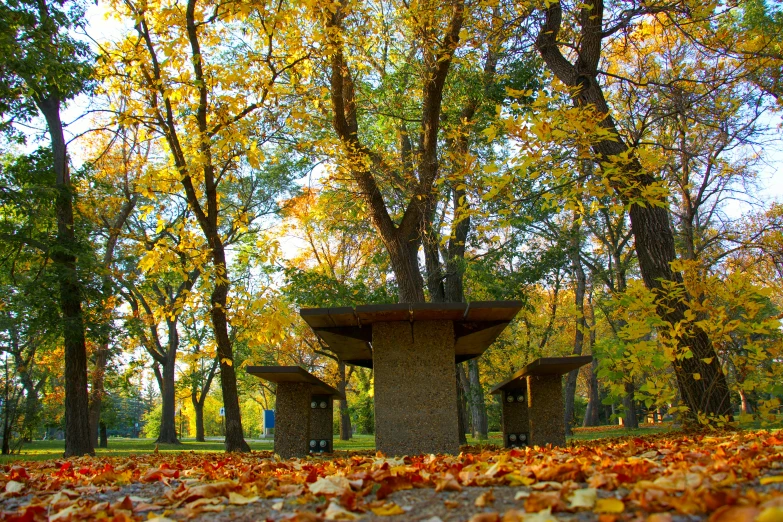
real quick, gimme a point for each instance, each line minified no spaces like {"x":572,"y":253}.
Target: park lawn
{"x":122,"y":447}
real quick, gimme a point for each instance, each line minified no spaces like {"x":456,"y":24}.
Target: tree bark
{"x":580,"y":285}
{"x":700,"y":378}
{"x":345,"y":417}
{"x":478,"y":408}
{"x":630,"y":419}
{"x":78,"y":439}
{"x":401,"y":240}
{"x":168,"y":424}
{"x":104,"y":439}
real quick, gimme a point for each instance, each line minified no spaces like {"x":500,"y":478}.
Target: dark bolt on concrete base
{"x":415,"y":387}
{"x":515,"y":418}
{"x":545,"y":410}
{"x":292,"y":427}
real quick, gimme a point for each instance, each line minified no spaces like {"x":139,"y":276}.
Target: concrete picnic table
{"x":413,"y":349}
{"x":533,"y":410}
{"x":303,"y":410}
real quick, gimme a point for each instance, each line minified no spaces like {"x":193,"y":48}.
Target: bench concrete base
{"x":292,"y":422}
{"x":415,"y":387}
{"x":533,"y":410}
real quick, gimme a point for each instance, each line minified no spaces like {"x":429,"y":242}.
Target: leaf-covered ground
{"x":734,"y":476}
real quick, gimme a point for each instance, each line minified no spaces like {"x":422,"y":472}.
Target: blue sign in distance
{"x":269,"y":419}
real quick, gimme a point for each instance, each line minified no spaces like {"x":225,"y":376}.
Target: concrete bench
{"x":304,"y":410}
{"x":533,"y":410}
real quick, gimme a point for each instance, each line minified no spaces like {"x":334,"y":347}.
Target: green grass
{"x":119,"y":447}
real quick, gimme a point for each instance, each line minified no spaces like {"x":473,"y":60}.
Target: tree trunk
{"x":478,"y":408}
{"x":630,"y":420}
{"x":592,"y":415}
{"x":97,"y":389}
{"x":104,"y":441}
{"x":198,"y":407}
{"x":700,"y":378}
{"x":78,"y":439}
{"x":580,"y":280}
{"x":462,"y":408}
{"x":168,"y":424}
{"x":745,"y":406}
{"x":345,"y":417}
{"x":235,"y":440}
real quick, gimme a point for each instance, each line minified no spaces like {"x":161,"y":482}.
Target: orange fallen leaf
{"x":485,"y":517}
{"x":539,"y":500}
{"x":388,"y":509}
{"x":486,"y":498}
{"x":735,"y":514}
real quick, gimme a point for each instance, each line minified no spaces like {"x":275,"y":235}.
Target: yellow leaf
{"x":771,"y":514}
{"x":771,"y":480}
{"x":609,"y":505}
{"x":240,"y":500}
{"x":389,"y":509}
{"x":696,"y":376}
{"x":226,"y":360}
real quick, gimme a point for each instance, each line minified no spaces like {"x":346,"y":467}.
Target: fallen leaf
{"x":659,"y":517}
{"x":240,"y":500}
{"x":485,"y":517}
{"x":609,"y":505}
{"x":771,"y":480}
{"x":771,"y":514}
{"x":541,"y":500}
{"x":331,"y":485}
{"x":13,"y":486}
{"x":583,"y":498}
{"x":735,"y":514}
{"x":485,"y":499}
{"x":388,"y":509}
{"x":337,"y":512}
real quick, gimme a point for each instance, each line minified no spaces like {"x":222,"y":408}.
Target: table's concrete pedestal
{"x":304,"y":410}
{"x":415,"y":387}
{"x":535,"y":415}
{"x":292,"y":424}
{"x":546,"y":410}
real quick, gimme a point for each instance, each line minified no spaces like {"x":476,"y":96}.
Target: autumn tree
{"x":43,"y":66}
{"x":209,"y":81}
{"x":707,"y":396}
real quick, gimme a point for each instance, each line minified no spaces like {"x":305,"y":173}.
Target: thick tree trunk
{"x":462,"y":409}
{"x":104,"y":440}
{"x":464,"y":384}
{"x":345,"y":417}
{"x":700,"y":378}
{"x":78,"y":439}
{"x":630,"y":419}
{"x":168,"y":424}
{"x":97,"y":389}
{"x":198,"y":407}
{"x":478,"y":408}
{"x":592,"y":415}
